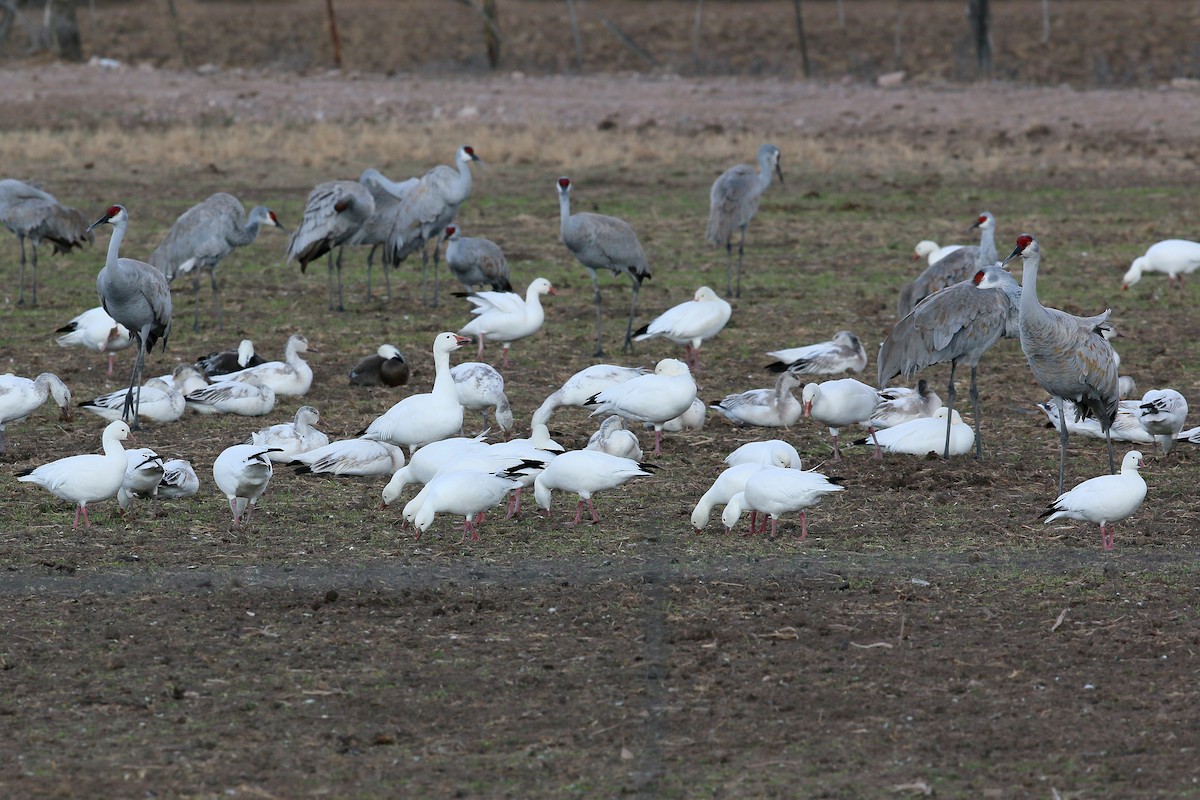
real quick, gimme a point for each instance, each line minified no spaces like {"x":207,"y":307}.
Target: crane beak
{"x":1016,"y":252}
{"x":779,"y":171}
{"x":98,"y":223}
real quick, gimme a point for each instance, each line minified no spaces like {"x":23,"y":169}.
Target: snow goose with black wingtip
{"x":1163,"y":414}
{"x":246,"y":398}
{"x":504,"y":317}
{"x":843,"y":353}
{"x":581,"y":386}
{"x":86,"y":478}
{"x":20,"y":397}
{"x":840,"y":403}
{"x":160,"y":403}
{"x":1104,"y":500}
{"x":773,"y":492}
{"x":289,"y":439}
{"x":98,"y":332}
{"x":423,"y":418}
{"x":359,"y":457}
{"x":585,"y":472}
{"x":771,"y":408}
{"x":291,"y":377}
{"x":899,"y":404}
{"x":242,"y":473}
{"x":919,"y":437}
{"x":655,"y":398}
{"x":690,"y":323}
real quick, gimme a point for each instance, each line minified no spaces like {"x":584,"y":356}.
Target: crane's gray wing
{"x":953,"y":268}
{"x":199,"y":235}
{"x":609,"y":242}
{"x":732,"y":201}
{"x":64,"y":227}
{"x":334,"y":212}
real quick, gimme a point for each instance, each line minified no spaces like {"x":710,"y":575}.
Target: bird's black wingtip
{"x":648,"y":467}
{"x":642,"y":330}
{"x":776,"y":367}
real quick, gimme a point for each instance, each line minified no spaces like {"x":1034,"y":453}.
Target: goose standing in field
{"x":98,"y":332}
{"x":1068,"y":355}
{"x":203,"y":237}
{"x":20,"y":397}
{"x":423,"y":418}
{"x":1104,"y":500}
{"x":427,"y":461}
{"x":385,"y":367}
{"x":468,"y":493}
{"x":480,"y":387}
{"x":733,"y":202}
{"x":31,"y":213}
{"x":655,"y":398}
{"x":228,"y":361}
{"x":242,"y":473}
{"x":143,"y":476}
{"x":136,"y":295}
{"x":358,"y":457}
{"x":930,"y":251}
{"x":926,"y":435}
{"x":585,"y":472}
{"x":504,"y":317}
{"x":1163,"y":414}
{"x":160,"y":403}
{"x":87,"y":478}
{"x":771,"y":452}
{"x":840,"y":403}
{"x":691,"y":420}
{"x":1175,"y":257}
{"x":690,"y":323}
{"x":178,"y":480}
{"x":1126,"y":426}
{"x":727,"y":484}
{"x":289,"y":439}
{"x":581,"y":386}
{"x":898,"y":404}
{"x":601,"y":242}
{"x":953,"y":267}
{"x":773,"y":492}
{"x":843,"y":353}
{"x":334,"y":215}
{"x":615,"y":439}
{"x":475,"y":262}
{"x":248,"y":398}
{"x":291,"y":377}
{"x":772,"y":408}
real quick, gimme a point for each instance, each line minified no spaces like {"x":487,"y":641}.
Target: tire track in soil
{"x":655,"y":659}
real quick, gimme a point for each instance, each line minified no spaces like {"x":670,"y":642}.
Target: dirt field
{"x":931,"y":637}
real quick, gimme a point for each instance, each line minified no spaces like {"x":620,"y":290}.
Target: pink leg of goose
{"x":504,"y":361}
{"x":657,"y":441}
{"x":837,"y":451}
{"x":78,"y":510}
{"x":592,"y":508}
{"x":578,"y":513}
{"x":803,"y":527}
{"x":878,"y":453}
{"x":479,"y":354}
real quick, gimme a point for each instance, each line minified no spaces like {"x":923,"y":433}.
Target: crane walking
{"x":733,"y":202}
{"x":33,"y":214}
{"x":333,"y":215}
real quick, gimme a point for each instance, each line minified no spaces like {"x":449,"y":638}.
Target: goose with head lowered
{"x":20,"y":397}
{"x":86,"y":478}
{"x":242,"y":473}
{"x":773,"y":492}
{"x":840,"y":403}
{"x":160,"y":403}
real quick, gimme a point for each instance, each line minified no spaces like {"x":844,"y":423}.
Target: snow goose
{"x":691,"y":420}
{"x":87,"y":478}
{"x":1126,"y":387}
{"x":581,"y":386}
{"x":289,"y":439}
{"x":919,"y":437}
{"x":480,"y":387}
{"x":160,"y":403}
{"x":773,"y":492}
{"x":423,"y":418}
{"x":1104,"y":500}
{"x":615,"y":439}
{"x":655,"y":398}
{"x":291,"y":377}
{"x":178,"y":480}
{"x":185,"y":379}
{"x":361,"y":457}
{"x":427,"y":461}
{"x":143,"y":476}
{"x":20,"y":397}
{"x":1163,"y":413}
{"x":1175,"y":257}
{"x":769,"y":408}
{"x":246,"y":398}
{"x":585,"y":472}
{"x":899,"y":404}
{"x":227,"y":361}
{"x":772,"y":452}
{"x":931,"y":252}
{"x":465,"y":492}
{"x":843,"y":353}
{"x":98,"y":332}
{"x":690,"y":323}
{"x":840,"y":403}
{"x":1126,"y":426}
{"x":385,"y":367}
{"x":519,"y":458}
{"x":242,"y":473}
{"x":504,"y":317}
{"x":727,"y":484}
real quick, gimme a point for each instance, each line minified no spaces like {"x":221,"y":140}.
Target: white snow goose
{"x":86,"y":478}
{"x":227,"y":361}
{"x":691,"y":420}
{"x":504,"y":317}
{"x":581,"y":386}
{"x":360,"y":457}
{"x":291,"y":377}
{"x":427,"y":461}
{"x":143,"y":476}
{"x":385,"y":367}
{"x":1163,"y":413}
{"x":615,"y":439}
{"x":465,"y":492}
{"x":1126,"y":426}
{"x":655,"y":398}
{"x":1175,"y":257}
{"x":585,"y":472}
{"x":690,"y":323}
{"x":843,"y":353}
{"x":769,"y":408}
{"x":840,"y":403}
{"x":772,"y":452}
{"x":179,"y":480}
{"x":1104,"y":500}
{"x":289,"y":439}
{"x":899,"y":404}
{"x":98,"y":332}
{"x":932,"y":252}
{"x":773,"y":492}
{"x":423,"y":418}
{"x":480,"y":387}
{"x":160,"y":403}
{"x":727,"y":484}
{"x":242,"y":473}
{"x":20,"y":397}
{"x":925,"y":435}
{"x":246,"y":398}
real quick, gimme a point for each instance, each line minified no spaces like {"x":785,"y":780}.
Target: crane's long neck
{"x":243,"y":235}
{"x":564,"y":213}
{"x":462,"y":186}
{"x":443,"y":381}
{"x":1031,"y":307}
{"x":114,"y":244}
{"x":765,"y":173}
{"x":987,"y":247}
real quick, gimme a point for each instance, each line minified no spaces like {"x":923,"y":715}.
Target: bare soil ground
{"x":930,"y":637}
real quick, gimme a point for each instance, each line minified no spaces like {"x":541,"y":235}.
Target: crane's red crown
{"x":1024,"y":241}
{"x":450,"y":231}
{"x":564,"y":183}
{"x":112,"y":211}
{"x":469,"y":151}
{"x":978,"y":277}
{"x":982,"y":219}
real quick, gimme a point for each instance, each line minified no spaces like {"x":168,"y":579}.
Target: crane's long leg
{"x":729,"y":266}
{"x":370,"y":259}
{"x":132,"y":401}
{"x":1062,"y":443}
{"x":329,"y":279}
{"x":387,"y":277}
{"x":637,"y":287}
{"x":34,"y":247}
{"x":340,"y":306}
{"x":975,"y":411}
{"x":436,"y":258}
{"x":216,"y":289}
{"x":424,"y":274}
{"x":597,"y":301}
{"x":1112,"y":467}
{"x":950,"y":395}
{"x":21,"y":276}
{"x":741,"y":252}
{"x":195,"y":300}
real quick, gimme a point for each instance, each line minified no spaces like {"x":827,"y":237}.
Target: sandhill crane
{"x":958,"y":324}
{"x":1175,"y":257}
{"x":1068,"y":355}
{"x":333,"y":215}
{"x":31,"y":213}
{"x":136,"y":295}
{"x":375,"y":232}
{"x":476,"y":261}
{"x":427,"y":209}
{"x":201,"y":239}
{"x":601,"y":242}
{"x":733,"y":201}
{"x":957,"y":266}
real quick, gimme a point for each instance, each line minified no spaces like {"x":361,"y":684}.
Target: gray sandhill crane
{"x":31,"y":213}
{"x":476,"y":261}
{"x":376,"y":231}
{"x":201,"y":239}
{"x":333,"y":215}
{"x":426,"y":211}
{"x":957,"y":324}
{"x":732,"y":203}
{"x":957,"y":266}
{"x":602,"y":242}
{"x":1068,"y":355}
{"x":136,"y":295}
